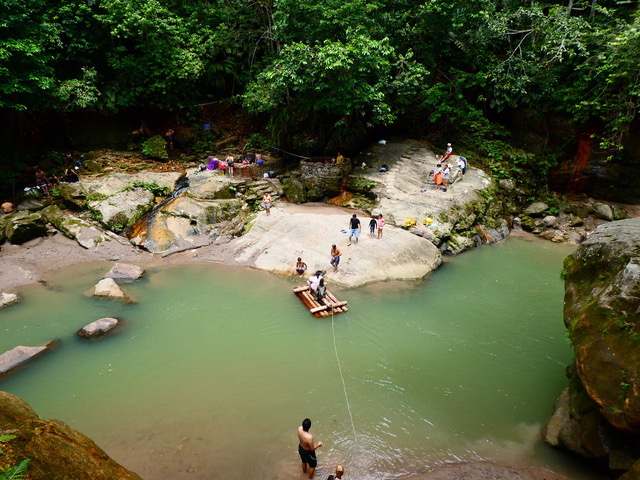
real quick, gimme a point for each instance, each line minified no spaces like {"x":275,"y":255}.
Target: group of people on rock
{"x":228,"y":164}
{"x":46,"y":182}
{"x":442,"y":173}
{"x":316,"y":282}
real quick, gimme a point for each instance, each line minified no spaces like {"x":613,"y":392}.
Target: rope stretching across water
{"x":344,"y":386}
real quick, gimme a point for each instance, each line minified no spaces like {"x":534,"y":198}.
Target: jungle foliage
{"x":329,"y":68}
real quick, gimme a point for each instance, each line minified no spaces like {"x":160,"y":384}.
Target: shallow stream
{"x":215,"y":367}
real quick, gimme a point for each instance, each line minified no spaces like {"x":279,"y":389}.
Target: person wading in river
{"x":306,"y":448}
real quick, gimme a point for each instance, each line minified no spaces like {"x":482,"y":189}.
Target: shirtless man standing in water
{"x":307,"y":449}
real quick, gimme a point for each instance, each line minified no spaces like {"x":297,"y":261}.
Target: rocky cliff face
{"x":598,"y":416}
{"x":56,"y":451}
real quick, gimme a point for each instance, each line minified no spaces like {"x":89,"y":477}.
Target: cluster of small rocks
{"x":570,"y":221}
{"x":107,"y":287}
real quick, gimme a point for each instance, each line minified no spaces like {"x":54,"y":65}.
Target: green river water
{"x":215,"y":367}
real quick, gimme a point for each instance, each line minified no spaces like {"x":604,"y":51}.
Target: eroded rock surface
{"x":600,"y":416}
{"x":56,"y":451}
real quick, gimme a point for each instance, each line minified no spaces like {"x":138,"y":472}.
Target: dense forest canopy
{"x":334,"y":67}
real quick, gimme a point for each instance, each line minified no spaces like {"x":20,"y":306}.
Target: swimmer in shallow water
{"x":307,"y":449}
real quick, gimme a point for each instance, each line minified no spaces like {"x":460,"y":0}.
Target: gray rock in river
{"x":107,"y":287}
{"x":406,"y":195}
{"x":125,"y":271}
{"x":20,"y":355}
{"x":99,"y":327}
{"x":7,"y":299}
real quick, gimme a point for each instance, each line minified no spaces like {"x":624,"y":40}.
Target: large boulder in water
{"x":99,"y":327}
{"x":7,"y":299}
{"x":602,"y":300}
{"x":56,"y":451}
{"x":107,"y":287}
{"x":406,"y":195}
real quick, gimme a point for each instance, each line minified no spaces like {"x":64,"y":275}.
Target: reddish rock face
{"x":56,"y":451}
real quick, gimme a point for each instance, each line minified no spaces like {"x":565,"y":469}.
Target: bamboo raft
{"x":329,"y":305}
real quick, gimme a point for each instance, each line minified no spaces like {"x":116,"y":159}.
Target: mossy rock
{"x":73,"y":195}
{"x":222,"y":210}
{"x":528,"y":224}
{"x":619,"y":213}
{"x":578,"y":210}
{"x":294,"y":190}
{"x":601,"y":304}
{"x":24,"y":226}
{"x":361,"y":186}
{"x":321,"y":188}
{"x":63,"y":222}
{"x":155,"y":147}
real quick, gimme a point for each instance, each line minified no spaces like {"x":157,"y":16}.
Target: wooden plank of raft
{"x":326,"y":307}
{"x":339,"y":304}
{"x":310,"y":301}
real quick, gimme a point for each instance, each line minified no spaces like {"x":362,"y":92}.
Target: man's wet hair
{"x":306,"y":424}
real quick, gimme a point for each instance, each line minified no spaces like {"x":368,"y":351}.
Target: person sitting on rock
{"x":447,"y":153}
{"x":42,"y":181}
{"x":301,"y":267}
{"x":70,"y":176}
